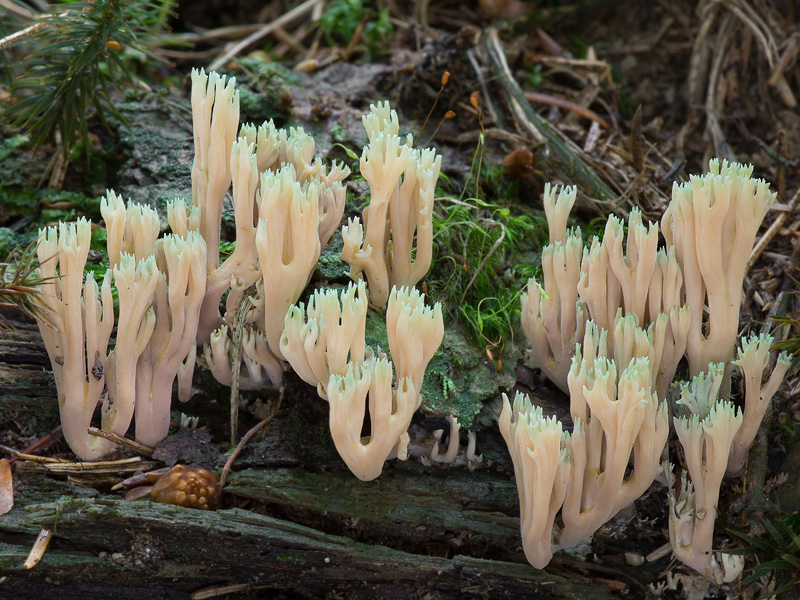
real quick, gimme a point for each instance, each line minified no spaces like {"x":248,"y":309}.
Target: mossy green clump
{"x":331,"y":265}
{"x":477,"y":275}
{"x":9,"y":240}
{"x":459,"y":378}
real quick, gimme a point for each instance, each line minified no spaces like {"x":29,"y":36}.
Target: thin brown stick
{"x":224,"y":476}
{"x":290,"y":40}
{"x":262,"y":32}
{"x":351,"y":45}
{"x":567,"y":105}
{"x":123,"y":441}
{"x":789,"y":55}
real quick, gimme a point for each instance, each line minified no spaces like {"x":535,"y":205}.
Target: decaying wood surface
{"x":290,"y":529}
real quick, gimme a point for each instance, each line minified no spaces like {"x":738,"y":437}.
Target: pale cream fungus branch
{"x":399,"y":212}
{"x":706,"y":436}
{"x":76,"y":327}
{"x":390,"y":412}
{"x":712,"y":221}
{"x":330,"y":334}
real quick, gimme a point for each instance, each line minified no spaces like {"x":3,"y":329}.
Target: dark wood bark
{"x":296,"y":525}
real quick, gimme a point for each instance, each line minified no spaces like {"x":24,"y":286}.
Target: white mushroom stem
{"x":390,"y":413}
{"x":452,"y":446}
{"x":76,"y":326}
{"x":472,"y":458}
{"x":706,"y":437}
{"x":752,"y":360}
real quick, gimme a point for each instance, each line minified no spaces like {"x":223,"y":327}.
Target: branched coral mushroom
{"x":402,"y":181}
{"x":326,"y":347}
{"x":710,"y":227}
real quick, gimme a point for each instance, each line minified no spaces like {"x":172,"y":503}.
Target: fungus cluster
{"x":603,"y":311}
{"x":287,"y":205}
{"x":608,"y":325}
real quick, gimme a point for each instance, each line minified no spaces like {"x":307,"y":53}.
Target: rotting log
{"x":106,"y":547}
{"x":296,"y":527}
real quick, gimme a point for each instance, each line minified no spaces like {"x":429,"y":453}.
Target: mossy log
{"x":297,"y":527}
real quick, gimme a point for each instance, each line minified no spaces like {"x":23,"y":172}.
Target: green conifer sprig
{"x":75,"y":63}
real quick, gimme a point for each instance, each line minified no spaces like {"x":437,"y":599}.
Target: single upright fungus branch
{"x":706,"y":436}
{"x":136,"y":285}
{"x":543,"y":470}
{"x":712,"y":221}
{"x":415,"y":332}
{"x":215,"y":119}
{"x":399,"y":212}
{"x":390,"y":413}
{"x":552,"y":318}
{"x":287,"y":241}
{"x":75,"y":326}
{"x":179,"y":294}
{"x":614,"y":418}
{"x":331,"y":336}
{"x":558,"y":203}
{"x":753,"y":357}
{"x":243,"y":262}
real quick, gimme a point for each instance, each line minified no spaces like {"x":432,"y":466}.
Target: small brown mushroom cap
{"x":191,"y":487}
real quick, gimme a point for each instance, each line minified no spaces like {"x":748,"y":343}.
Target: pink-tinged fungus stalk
{"x":75,"y":326}
{"x":136,"y":285}
{"x":287,"y":241}
{"x":712,"y":222}
{"x":326,"y":347}
{"x":330,"y":334}
{"x":605,"y":284}
{"x":415,"y":332}
{"x":390,"y":412}
{"x":752,"y":360}
{"x":543,"y":470}
{"x":179,"y":294}
{"x":706,"y":436}
{"x":243,"y":261}
{"x":261,"y":366}
{"x":215,"y":120}
{"x":402,"y":182}
{"x":616,"y":418}
{"x":552,"y":317}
